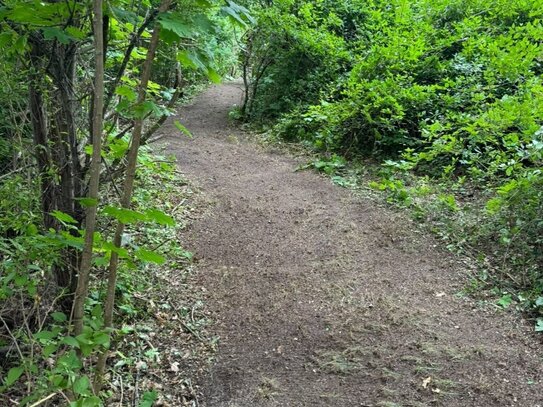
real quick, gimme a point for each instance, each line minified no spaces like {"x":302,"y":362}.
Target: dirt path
{"x":324,"y":299}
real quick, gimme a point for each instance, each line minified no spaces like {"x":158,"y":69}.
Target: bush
{"x":449,"y":90}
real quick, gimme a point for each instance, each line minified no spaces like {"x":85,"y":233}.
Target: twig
{"x":49,"y":310}
{"x":66,"y":397}
{"x":192,"y":331}
{"x":136,"y":390}
{"x":122,"y":391}
{"x":37,"y":403}
{"x":189,"y":382}
{"x":12,"y":338}
{"x":9,"y":174}
{"x":29,"y":333}
{"x":112,"y":179}
{"x":178,"y":205}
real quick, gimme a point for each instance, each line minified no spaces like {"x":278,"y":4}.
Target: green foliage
{"x":329,"y":166}
{"x":45,"y":152}
{"x":293,"y":54}
{"x":443,"y":92}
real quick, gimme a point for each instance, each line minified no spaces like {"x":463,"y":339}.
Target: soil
{"x":323,"y":298}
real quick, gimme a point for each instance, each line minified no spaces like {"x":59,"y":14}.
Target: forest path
{"x":325,"y":299}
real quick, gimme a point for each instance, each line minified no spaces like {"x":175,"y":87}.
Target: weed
{"x":268,"y":388}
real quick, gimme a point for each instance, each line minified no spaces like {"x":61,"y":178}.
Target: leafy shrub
{"x":294,"y":53}
{"x":450,"y":90}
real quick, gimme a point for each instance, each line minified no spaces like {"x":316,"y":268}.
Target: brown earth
{"x":322,"y":298}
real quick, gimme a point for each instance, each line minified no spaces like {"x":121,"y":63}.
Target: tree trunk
{"x":127,"y":192}
{"x":56,"y":146}
{"x":97,"y":126}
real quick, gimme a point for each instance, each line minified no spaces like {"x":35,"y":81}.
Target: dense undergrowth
{"x":154,"y":301}
{"x":91,"y":270}
{"x":447,"y":95}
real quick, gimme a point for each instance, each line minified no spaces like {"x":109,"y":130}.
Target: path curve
{"x":324,"y":299}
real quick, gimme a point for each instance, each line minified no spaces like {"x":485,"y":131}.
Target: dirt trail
{"x":324,"y":299}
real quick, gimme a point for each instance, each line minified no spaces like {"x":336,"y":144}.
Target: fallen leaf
{"x":174,"y":367}
{"x":426,"y":382}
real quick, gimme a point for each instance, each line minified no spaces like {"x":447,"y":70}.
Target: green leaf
{"x":50,"y":349}
{"x":40,"y":13}
{"x":69,"y":360}
{"x":13,"y":375}
{"x":97,"y":311}
{"x":5,"y":39}
{"x":119,"y":148}
{"x":63,"y":217}
{"x":101,"y":261}
{"x":123,"y":215}
{"x":123,"y":15}
{"x":21,"y":44}
{"x":505,"y":301}
{"x":126,"y":92}
{"x":102,"y":338}
{"x":143,"y":109}
{"x":182,"y":129}
{"x":31,"y":230}
{"x":149,"y":256}
{"x":159,"y":217}
{"x":235,"y":17}
{"x":45,"y":335}
{"x":192,"y":59}
{"x":238,"y":14}
{"x":50,"y":33}
{"x":539,"y":325}
{"x":148,"y":399}
{"x":75,"y":33}
{"x":81,"y":386}
{"x":57,"y":380}
{"x":59,"y":316}
{"x":184,"y":57}
{"x":70,"y":341}
{"x":213,"y":76}
{"x":187,"y":255}
{"x":91,"y":401}
{"x":87,"y":202}
{"x":86,"y":350}
{"x":203,"y":24}
{"x":121,"y":251}
{"x":204,"y":3}
{"x":83,"y":339}
{"x":176,"y":23}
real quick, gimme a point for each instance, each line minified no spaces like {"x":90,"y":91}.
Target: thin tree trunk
{"x":127,"y":192}
{"x":246,"y":81}
{"x":93,"y":192}
{"x":38,"y":118}
{"x":56,"y":145}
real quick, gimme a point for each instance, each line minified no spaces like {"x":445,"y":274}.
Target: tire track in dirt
{"x":325,"y":299}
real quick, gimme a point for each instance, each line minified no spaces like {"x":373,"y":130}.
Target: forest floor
{"x":324,"y":298}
